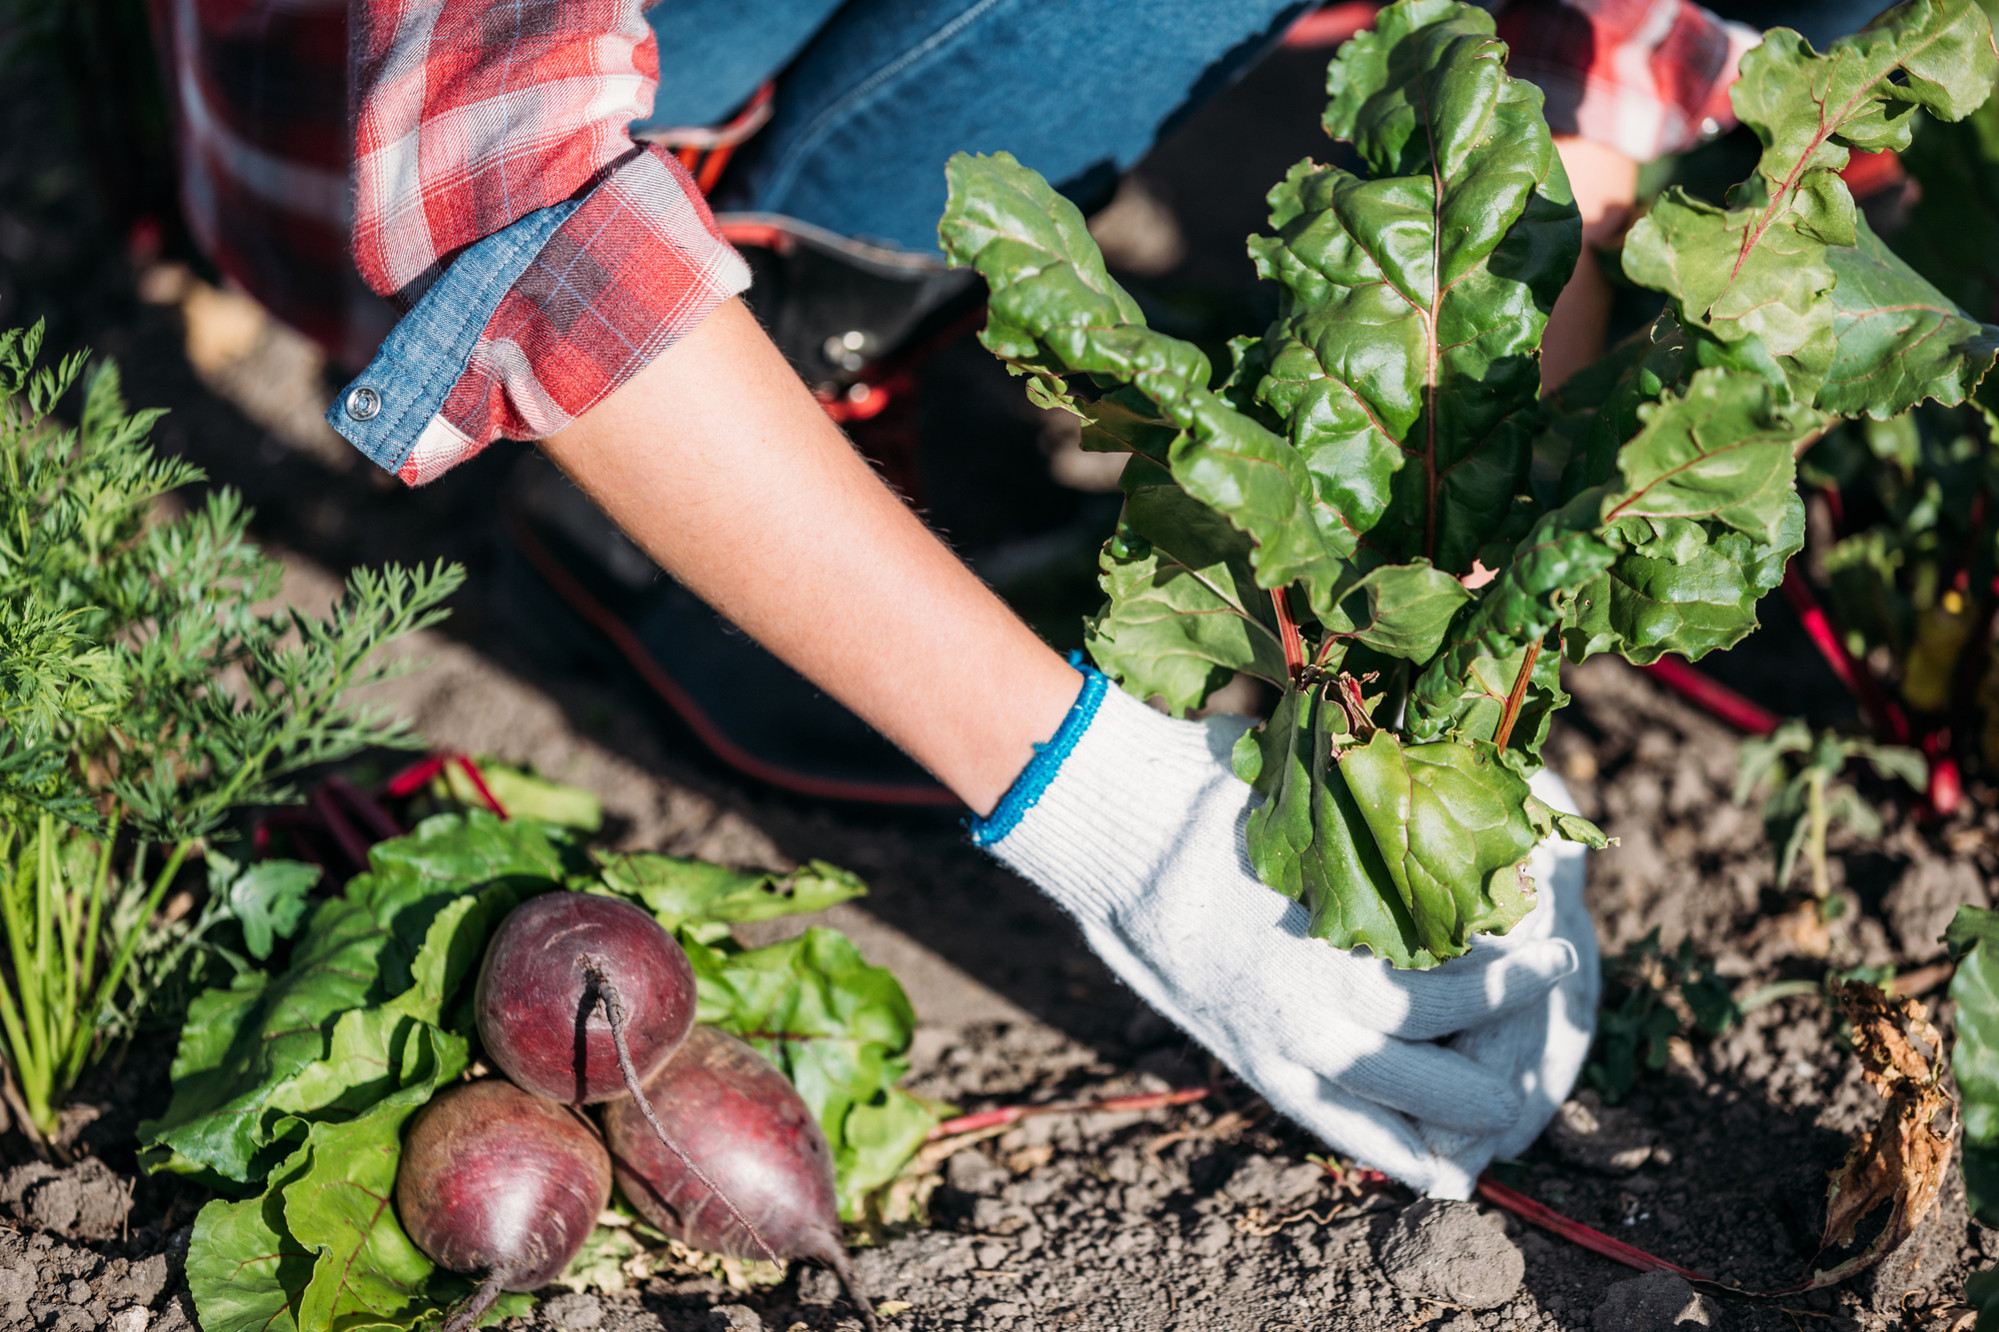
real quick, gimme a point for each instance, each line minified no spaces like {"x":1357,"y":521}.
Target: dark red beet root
{"x":743,"y":1125}
{"x":541,"y":1015}
{"x":501,"y":1185}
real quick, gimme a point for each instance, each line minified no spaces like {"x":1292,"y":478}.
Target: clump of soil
{"x":1453,"y":1254}
{"x":1655,"y":1302}
{"x":62,"y":1287}
{"x":87,"y":1201}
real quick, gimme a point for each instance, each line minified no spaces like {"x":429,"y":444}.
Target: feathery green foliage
{"x":145,"y":692}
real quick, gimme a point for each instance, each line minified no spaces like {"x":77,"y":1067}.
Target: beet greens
{"x":1378,"y":513}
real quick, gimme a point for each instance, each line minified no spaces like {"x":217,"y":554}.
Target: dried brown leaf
{"x":1900,"y":1164}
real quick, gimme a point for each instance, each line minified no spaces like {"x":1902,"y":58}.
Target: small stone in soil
{"x":734,"y":1318}
{"x":1449,"y":1251}
{"x":1654,"y":1302}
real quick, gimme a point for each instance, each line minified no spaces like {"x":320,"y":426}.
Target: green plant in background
{"x":1974,"y":1056}
{"x":1907,"y":529}
{"x":144,"y":695}
{"x":1804,"y":803}
{"x":1650,"y":996}
{"x":1378,"y":514}
{"x":290,"y":1088}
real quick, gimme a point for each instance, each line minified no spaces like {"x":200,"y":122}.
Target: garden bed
{"x":1212,"y":1216}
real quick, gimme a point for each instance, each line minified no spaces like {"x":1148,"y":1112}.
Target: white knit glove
{"x":1134,"y":823}
{"x":1539,"y":1050}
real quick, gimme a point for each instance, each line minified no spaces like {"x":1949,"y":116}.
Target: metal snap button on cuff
{"x":364,"y":404}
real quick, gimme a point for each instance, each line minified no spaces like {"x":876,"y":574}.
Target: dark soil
{"x":1211,"y":1217}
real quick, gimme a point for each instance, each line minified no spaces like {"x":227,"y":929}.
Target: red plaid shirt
{"x":481,"y":158}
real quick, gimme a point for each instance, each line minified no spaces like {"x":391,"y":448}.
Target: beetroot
{"x":501,"y":1185}
{"x":554,"y":972}
{"x":748,"y":1174}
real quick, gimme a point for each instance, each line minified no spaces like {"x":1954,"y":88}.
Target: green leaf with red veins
{"x":342,"y":1208}
{"x":243,"y":1264}
{"x":1184,"y":613}
{"x":1405,"y":357}
{"x":1755,"y":278}
{"x":1405,"y":609}
{"x":1463,"y":690}
{"x":1720,"y":451}
{"x":1896,"y":339}
{"x":1308,"y":839}
{"x":1704,"y":513}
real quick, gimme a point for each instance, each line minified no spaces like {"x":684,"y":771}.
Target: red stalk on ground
{"x":1013,"y":1114}
{"x":1576,"y":1232}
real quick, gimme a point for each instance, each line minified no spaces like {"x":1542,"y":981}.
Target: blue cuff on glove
{"x":1026,"y":790}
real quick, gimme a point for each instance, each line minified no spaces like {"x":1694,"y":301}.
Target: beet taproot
{"x":554,"y":971}
{"x":502,"y":1185}
{"x":752,"y":1176}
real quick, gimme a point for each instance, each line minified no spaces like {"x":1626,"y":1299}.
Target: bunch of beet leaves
{"x":293,"y":1091}
{"x":1379,"y":513}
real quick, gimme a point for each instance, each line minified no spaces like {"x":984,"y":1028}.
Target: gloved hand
{"x":1134,"y":822}
{"x":1537,"y":1050}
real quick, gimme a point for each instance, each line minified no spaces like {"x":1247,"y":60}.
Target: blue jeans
{"x":1819,"y":21}
{"x":874,"y":95}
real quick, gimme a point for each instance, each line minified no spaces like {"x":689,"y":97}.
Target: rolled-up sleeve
{"x":540,"y":256}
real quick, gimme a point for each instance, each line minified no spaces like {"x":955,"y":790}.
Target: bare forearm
{"x":720,"y":464}
{"x":1606,"y":185}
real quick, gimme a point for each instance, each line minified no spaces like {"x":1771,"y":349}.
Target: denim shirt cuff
{"x":387,"y":408}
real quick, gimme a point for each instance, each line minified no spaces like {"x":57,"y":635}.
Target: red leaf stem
{"x":1013,"y":1114}
{"x":419,"y":774}
{"x":365,"y":807}
{"x":1287,"y":633}
{"x":1516,"y":695}
{"x":1576,"y":1232}
{"x":1713,"y":697}
{"x":1884,"y":717}
{"x":344,"y":834}
{"x":413,"y":778}
{"x":478,"y":780}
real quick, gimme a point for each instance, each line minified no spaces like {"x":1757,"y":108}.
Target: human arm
{"x":1625,"y":81}
{"x":1605,"y":182}
{"x":722,"y":466}
{"x":540,"y":256}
